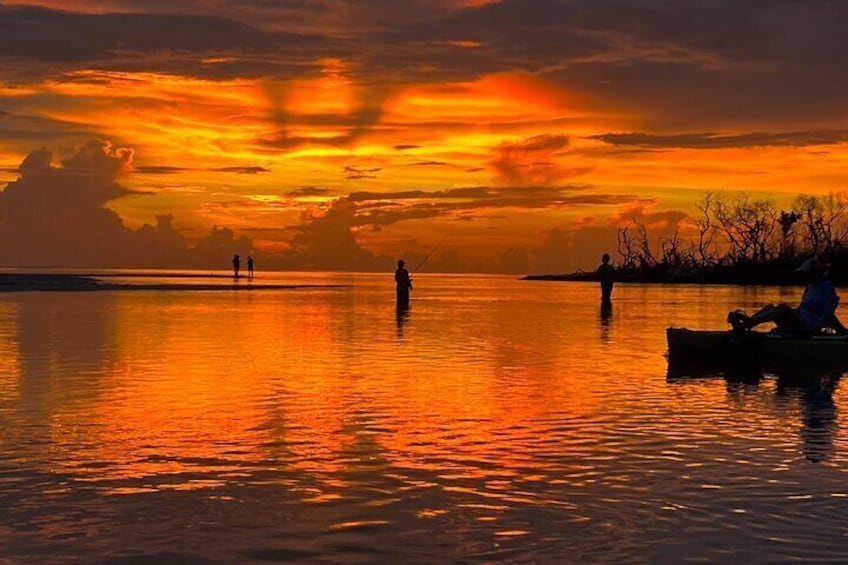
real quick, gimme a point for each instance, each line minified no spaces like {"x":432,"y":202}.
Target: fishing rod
{"x":427,"y":258}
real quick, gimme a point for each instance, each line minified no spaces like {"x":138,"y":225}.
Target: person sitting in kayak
{"x":816,"y":311}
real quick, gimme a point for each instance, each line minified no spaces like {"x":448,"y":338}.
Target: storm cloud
{"x":56,"y":216}
{"x":717,"y":141}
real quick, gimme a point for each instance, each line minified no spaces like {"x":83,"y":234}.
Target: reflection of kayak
{"x":756,"y":348}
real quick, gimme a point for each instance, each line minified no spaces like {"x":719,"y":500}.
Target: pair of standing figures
{"x":237,"y":266}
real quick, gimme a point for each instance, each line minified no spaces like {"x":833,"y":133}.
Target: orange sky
{"x":491,"y":124}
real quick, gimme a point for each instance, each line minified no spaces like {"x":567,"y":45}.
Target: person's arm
{"x":832,"y":301}
{"x":836,"y":324}
{"x":833,"y":321}
{"x":822,"y":303}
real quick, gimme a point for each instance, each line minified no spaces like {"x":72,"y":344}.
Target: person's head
{"x":605,"y":258}
{"x":813,"y":269}
{"x":401,"y":263}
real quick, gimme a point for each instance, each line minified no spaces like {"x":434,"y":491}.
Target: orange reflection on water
{"x":489,"y":392}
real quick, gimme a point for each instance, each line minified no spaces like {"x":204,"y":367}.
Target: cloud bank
{"x":56,"y":216}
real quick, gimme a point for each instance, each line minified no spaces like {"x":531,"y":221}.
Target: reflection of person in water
{"x":401,"y":317}
{"x":818,"y":417}
{"x":814,"y":390}
{"x":604,"y":320}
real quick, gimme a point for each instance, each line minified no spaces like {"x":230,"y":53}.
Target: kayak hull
{"x":694,"y":349}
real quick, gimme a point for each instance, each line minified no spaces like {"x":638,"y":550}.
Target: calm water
{"x":501,"y":421}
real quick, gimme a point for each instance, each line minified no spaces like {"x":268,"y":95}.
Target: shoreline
{"x":679,"y":280}
{"x":90,"y":283}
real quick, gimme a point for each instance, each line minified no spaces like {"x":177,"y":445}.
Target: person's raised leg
{"x":742,"y":321}
{"x":768,"y":313}
{"x":784,"y":317}
{"x":789,"y":322}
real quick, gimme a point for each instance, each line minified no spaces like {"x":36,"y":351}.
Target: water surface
{"x":498,"y":420}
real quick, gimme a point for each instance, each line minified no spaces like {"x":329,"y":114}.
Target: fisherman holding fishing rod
{"x":404,"y":285}
{"x":404,"y":280}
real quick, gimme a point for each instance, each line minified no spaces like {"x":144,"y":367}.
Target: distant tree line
{"x":740,"y":238}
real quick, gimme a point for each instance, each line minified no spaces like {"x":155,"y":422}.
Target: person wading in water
{"x":236,"y":265}
{"x":404,"y":285}
{"x":605,"y":272}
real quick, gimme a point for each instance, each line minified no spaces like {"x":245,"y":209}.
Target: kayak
{"x":712,"y":344}
{"x":698,"y":351}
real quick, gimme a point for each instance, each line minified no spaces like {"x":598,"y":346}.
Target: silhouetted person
{"x":816,"y":311}
{"x":404,"y":285}
{"x":605,"y":273}
{"x":236,"y":265}
{"x":249,"y":267}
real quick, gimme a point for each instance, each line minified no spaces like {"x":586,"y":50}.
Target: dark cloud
{"x":717,"y":141}
{"x":677,"y":64}
{"x":306,"y":191}
{"x":242,"y":170}
{"x":56,"y":216}
{"x":507,"y":35}
{"x":159,"y":169}
{"x":345,"y":16}
{"x":675,"y":96}
{"x":403,"y":147}
{"x":470,"y":192}
{"x":703,"y":61}
{"x":59,"y":36}
{"x":353,"y":125}
{"x":383,"y":217}
{"x":531,"y":161}
{"x":428,"y":164}
{"x":170,"y":170}
{"x":352,"y":172}
{"x":328,"y":242}
{"x":24,"y":127}
{"x":539,"y":143}
{"x":383,"y":209}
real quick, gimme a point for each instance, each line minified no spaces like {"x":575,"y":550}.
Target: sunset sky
{"x":343,"y":134}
